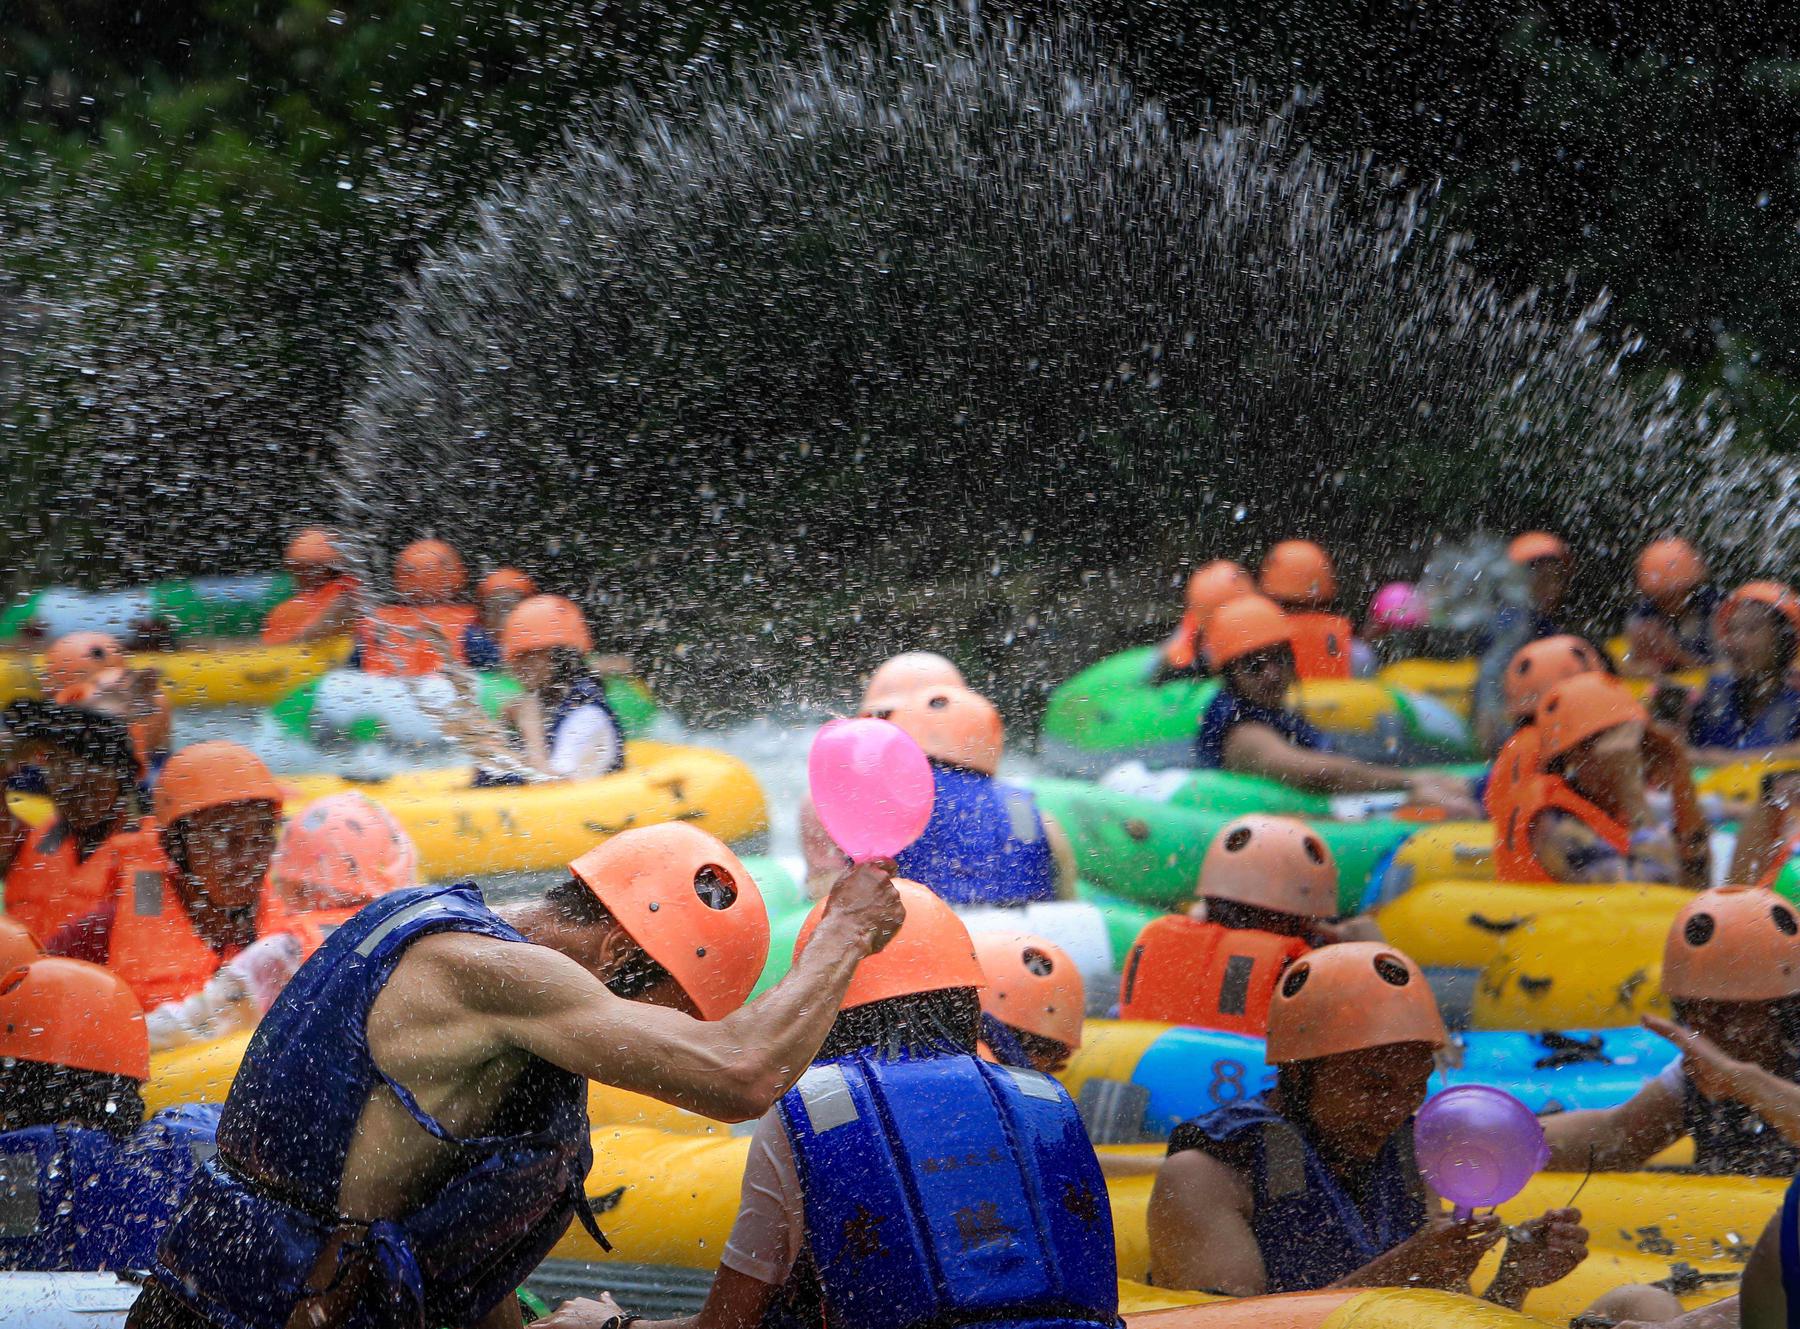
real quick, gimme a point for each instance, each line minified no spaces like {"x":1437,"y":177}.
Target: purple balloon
{"x":1478,"y":1145}
{"x":871,"y":787}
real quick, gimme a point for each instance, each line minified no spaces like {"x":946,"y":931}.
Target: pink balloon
{"x":1478,"y":1145}
{"x":871,"y":787}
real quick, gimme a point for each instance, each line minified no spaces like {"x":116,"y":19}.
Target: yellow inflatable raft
{"x":1468,"y":924}
{"x":670,"y":1198}
{"x":247,"y":675}
{"x":1579,"y":970}
{"x":1452,"y":682}
{"x":1446,"y":851}
{"x":463,"y":831}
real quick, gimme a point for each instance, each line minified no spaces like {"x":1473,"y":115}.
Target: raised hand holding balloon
{"x":871,"y":787}
{"x":1478,"y":1146}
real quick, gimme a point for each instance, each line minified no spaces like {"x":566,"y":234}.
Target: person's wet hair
{"x":576,"y":905}
{"x":1047,"y":1051}
{"x":918,"y":1024}
{"x":93,"y":736}
{"x":1237,"y":915}
{"x":1785,"y":1014}
{"x":36,"y":1093}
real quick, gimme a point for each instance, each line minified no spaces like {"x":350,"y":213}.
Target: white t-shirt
{"x":587,"y":738}
{"x":771,"y":1223}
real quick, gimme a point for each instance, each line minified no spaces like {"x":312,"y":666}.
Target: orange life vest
{"x":155,"y":949}
{"x":48,"y":885}
{"x":290,"y":620}
{"x":1520,"y":758}
{"x":1185,"y":971}
{"x":1321,"y":644}
{"x":1515,"y":859}
{"x":399,"y":638}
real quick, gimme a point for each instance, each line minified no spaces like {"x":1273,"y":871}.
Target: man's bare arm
{"x":731,"y":1069}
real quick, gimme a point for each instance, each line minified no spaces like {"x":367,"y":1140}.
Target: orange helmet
{"x":1298,"y":572}
{"x":79,"y":656}
{"x":211,"y":775}
{"x":911,"y":670}
{"x":956,"y":726}
{"x":1348,"y":997}
{"x":17,"y":945}
{"x":340,"y":853}
{"x":75,"y":1014}
{"x":543,"y":622}
{"x":1535,"y":545}
{"x":689,"y":904}
{"x":1669,"y":568}
{"x":1735,"y":943}
{"x":1033,"y":985}
{"x":1243,"y":627}
{"x":1219,"y":582}
{"x":1770,"y":593}
{"x":312,"y":548}
{"x":505,"y":581}
{"x":1540,"y":665}
{"x":429,"y":570}
{"x":1578,"y":708}
{"x":1276,"y":863}
{"x":931,"y":951}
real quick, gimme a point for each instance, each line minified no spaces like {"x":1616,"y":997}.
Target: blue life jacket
{"x":1719,"y":720}
{"x":1228,"y":710}
{"x":1003,"y":1041}
{"x":583,"y":692}
{"x":1790,"y":1252}
{"x":78,"y":1199}
{"x":985,"y":843}
{"x":1310,"y":1230}
{"x":944,"y":1191}
{"x":244,"y":1246}
{"x":1694,"y":629}
{"x":480,"y":650}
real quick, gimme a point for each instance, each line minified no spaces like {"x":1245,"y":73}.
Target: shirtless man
{"x":408,"y":1134}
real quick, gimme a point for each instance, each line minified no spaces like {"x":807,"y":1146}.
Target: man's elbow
{"x":749,"y":1087}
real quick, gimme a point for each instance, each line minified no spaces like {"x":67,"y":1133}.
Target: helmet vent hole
{"x":939,"y":702}
{"x":1237,"y":839}
{"x":1037,"y":962}
{"x":1314,"y":850}
{"x":1699,"y":929}
{"x":12,"y":980}
{"x":1295,"y":979}
{"x":1784,"y":919}
{"x":1392,"y":971}
{"x":714,"y":888}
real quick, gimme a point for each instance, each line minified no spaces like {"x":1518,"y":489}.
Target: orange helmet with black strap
{"x":1733,"y":943}
{"x":953,"y":725}
{"x":429,"y":570}
{"x":1534,"y":546}
{"x":1244,"y":626}
{"x":544,"y":622}
{"x":909,"y":671}
{"x":1668,"y":569}
{"x":1583,"y":707}
{"x":689,"y":904}
{"x":1298,"y":572}
{"x":931,"y":952}
{"x":1540,"y":665}
{"x":78,"y":658}
{"x":1033,"y":985}
{"x":71,"y":1013}
{"x":1275,"y":863}
{"x":1349,"y":998}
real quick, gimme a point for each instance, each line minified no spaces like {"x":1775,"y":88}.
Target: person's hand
{"x":583,"y":1313}
{"x":1545,"y":1249}
{"x":865,"y":902}
{"x":1714,"y":1074}
{"x":1442,"y":1254}
{"x":1448,"y":792}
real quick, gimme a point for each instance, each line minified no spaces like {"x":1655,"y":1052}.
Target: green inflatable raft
{"x":1117,"y":711}
{"x":196,"y":607}
{"x":1150,"y":852}
{"x":348,"y":706}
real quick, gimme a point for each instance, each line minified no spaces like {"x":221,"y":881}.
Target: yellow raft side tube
{"x":246,"y":675}
{"x":461,"y":831}
{"x":1576,"y":970}
{"x":1467,"y":924}
{"x":671,"y":1199}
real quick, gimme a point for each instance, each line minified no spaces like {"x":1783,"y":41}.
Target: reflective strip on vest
{"x":826,"y":1098}
{"x":19,"y":1210}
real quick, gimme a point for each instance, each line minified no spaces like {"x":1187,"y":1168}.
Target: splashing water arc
{"x":961,"y":285}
